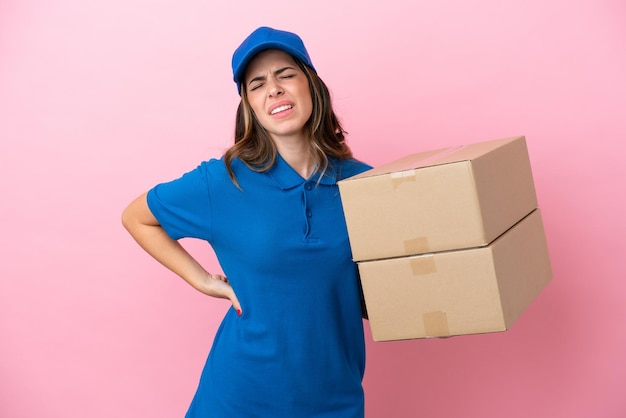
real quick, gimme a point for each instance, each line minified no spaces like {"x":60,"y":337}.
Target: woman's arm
{"x":146,"y":230}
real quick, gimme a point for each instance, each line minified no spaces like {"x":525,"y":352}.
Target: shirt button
{"x":309,"y":214}
{"x":308,"y":186}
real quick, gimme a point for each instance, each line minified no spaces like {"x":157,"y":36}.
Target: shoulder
{"x":216,"y":167}
{"x":212,"y":166}
{"x":218,"y":177}
{"x":196,"y":178}
{"x":349,"y":167}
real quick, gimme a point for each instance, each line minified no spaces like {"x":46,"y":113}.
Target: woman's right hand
{"x":146,"y":230}
{"x":218,"y":286}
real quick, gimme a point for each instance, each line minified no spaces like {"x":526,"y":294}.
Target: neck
{"x":297,"y":154}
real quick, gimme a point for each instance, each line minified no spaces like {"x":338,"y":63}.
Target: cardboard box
{"x":469,"y":291}
{"x":452,"y":198}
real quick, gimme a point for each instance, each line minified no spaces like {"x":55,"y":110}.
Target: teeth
{"x":281,"y":109}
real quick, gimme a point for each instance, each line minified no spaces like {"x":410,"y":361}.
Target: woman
{"x":292,"y":345}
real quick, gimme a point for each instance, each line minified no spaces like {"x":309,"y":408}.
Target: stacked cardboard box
{"x":448,"y":242}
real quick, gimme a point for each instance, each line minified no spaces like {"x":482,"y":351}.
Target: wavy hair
{"x":254,"y":147}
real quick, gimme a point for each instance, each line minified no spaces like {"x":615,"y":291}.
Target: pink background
{"x":101,"y":100}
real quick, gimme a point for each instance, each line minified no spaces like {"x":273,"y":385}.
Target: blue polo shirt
{"x":298,"y":349}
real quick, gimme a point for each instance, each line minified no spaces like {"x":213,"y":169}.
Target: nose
{"x":275,"y":89}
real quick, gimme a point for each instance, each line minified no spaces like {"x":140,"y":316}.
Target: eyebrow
{"x":277,"y":72}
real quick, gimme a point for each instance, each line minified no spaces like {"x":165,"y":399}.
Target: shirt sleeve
{"x":183,"y":206}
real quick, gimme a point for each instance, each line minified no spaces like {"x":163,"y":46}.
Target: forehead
{"x":269,"y":60}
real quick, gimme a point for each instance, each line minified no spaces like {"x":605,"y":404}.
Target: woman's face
{"x":278,"y":92}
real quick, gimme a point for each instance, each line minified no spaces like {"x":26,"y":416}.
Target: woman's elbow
{"x":137,"y":213}
{"x":128,"y":218}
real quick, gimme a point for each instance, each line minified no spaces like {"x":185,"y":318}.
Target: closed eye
{"x":256,"y":86}
{"x":283,"y":73}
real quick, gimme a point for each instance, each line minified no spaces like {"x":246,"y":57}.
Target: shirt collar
{"x":287,"y":178}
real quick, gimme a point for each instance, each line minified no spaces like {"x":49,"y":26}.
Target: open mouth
{"x":280,"y":109}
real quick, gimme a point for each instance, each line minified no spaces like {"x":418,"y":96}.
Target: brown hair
{"x":254,"y":147}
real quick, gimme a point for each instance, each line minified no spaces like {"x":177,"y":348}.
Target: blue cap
{"x":267,"y":38}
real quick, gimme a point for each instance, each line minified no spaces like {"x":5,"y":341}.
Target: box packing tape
{"x":444,"y":153}
{"x":436,"y":324}
{"x":397,"y":178}
{"x":416,"y":246}
{"x":423,"y":265}
{"x":405,"y":176}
